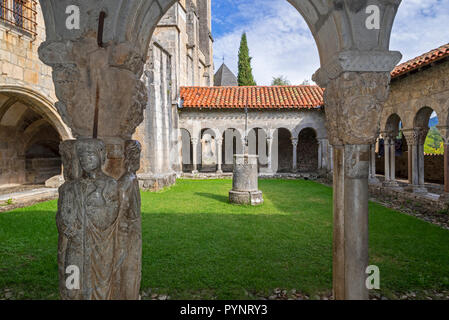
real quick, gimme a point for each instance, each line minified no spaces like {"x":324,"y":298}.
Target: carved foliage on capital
{"x":354,"y":103}
{"x":87,"y":77}
{"x":416,"y":136}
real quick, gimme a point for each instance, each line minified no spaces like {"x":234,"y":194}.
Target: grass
{"x":196,"y":244}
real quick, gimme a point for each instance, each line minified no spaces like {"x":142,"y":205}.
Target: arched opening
{"x":30,"y":133}
{"x":431,"y":148}
{"x":392,"y":152}
{"x":232,"y":144}
{"x":209,"y":156}
{"x":307,"y":151}
{"x":186,"y":151}
{"x":284,"y":151}
{"x":257,"y":144}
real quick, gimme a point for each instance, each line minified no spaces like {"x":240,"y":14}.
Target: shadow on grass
{"x":217,"y":197}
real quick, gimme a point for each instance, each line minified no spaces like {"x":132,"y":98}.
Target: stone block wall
{"x":19,"y":59}
{"x":433,"y":167}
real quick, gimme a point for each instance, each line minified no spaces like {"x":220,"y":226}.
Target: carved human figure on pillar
{"x":88,"y":211}
{"x":128,"y":258}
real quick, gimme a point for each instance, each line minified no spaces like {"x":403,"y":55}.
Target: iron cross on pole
{"x":246,"y":130}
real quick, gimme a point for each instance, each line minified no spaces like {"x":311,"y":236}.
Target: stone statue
{"x":87,"y":220}
{"x":129,"y":241}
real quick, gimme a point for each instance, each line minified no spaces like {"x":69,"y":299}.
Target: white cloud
{"x":281,"y":43}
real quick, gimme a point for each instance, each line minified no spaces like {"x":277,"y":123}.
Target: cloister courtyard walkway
{"x":198,"y":246}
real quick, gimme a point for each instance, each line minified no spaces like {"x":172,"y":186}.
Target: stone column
{"x":390,"y":161}
{"x":320,"y":154}
{"x":295,"y":154}
{"x":102,"y":99}
{"x":387,"y":159}
{"x":372,"y":176}
{"x":195,"y":155}
{"x":352,"y":99}
{"x":269,"y":152}
{"x":444,"y":131}
{"x":219,"y":155}
{"x":415,"y":140}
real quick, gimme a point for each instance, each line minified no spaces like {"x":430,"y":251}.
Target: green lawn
{"x":198,"y":245}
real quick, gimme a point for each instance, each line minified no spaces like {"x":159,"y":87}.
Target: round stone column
{"x":245,"y":182}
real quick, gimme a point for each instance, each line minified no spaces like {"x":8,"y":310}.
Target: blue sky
{"x":281,"y":43}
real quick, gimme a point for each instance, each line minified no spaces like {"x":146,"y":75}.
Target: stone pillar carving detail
{"x":354,"y":103}
{"x":99,"y":224}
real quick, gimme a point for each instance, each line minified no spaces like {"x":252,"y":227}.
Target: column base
{"x":219,"y":172}
{"x":156,"y":182}
{"x":392,"y":184}
{"x":253,"y":198}
{"x":373,"y":181}
{"x":416,"y":189}
{"x":195,"y":172}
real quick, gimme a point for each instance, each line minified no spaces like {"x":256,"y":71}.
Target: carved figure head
{"x":132,"y":155}
{"x":91,"y":154}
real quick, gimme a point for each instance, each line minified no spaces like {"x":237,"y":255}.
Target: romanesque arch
{"x":97,"y":81}
{"x":30,"y":133}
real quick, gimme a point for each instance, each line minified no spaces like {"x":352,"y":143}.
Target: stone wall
{"x":433,"y":167}
{"x":426,"y":88}
{"x":19,"y":60}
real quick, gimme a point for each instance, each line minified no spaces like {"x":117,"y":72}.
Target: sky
{"x":280,"y":42}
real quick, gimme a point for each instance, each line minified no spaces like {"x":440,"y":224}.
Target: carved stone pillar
{"x":219,"y":155}
{"x":351,"y":100}
{"x":195,"y":155}
{"x":101,"y":98}
{"x":295,"y":154}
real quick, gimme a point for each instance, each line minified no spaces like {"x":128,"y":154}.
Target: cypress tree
{"x":245,"y":77}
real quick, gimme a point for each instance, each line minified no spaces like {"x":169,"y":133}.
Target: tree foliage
{"x":434,"y":142}
{"x":245,"y":76}
{"x":280,"y":81}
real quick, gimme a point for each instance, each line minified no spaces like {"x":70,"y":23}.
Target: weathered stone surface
{"x":245,"y":181}
{"x":98,"y":221}
{"x":352,"y":100}
{"x":55,"y":182}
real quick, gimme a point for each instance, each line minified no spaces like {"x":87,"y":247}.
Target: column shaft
{"x":387,"y":150}
{"x":446,"y":168}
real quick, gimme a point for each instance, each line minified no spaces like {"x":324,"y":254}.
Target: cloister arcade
{"x":298,"y":144}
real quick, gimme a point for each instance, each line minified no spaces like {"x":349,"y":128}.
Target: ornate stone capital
{"x":354,"y":103}
{"x":294,"y":142}
{"x":416,"y":136}
{"x":195,"y":140}
{"x":97,"y":85}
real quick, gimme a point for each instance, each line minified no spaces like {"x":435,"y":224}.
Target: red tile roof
{"x":421,"y":61}
{"x":273,"y":97}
